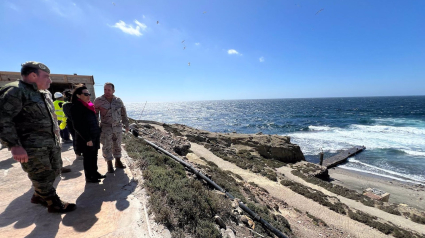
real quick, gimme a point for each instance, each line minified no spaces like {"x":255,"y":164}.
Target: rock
{"x":182,"y":149}
{"x":235,"y":204}
{"x":312,"y":170}
{"x":220,"y":222}
{"x":248,"y":221}
{"x":229,"y":233}
{"x":268,"y":146}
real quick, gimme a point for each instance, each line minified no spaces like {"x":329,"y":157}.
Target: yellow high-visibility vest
{"x":58,"y":110}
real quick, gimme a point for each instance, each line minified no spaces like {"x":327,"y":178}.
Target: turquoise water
{"x":391,"y":128}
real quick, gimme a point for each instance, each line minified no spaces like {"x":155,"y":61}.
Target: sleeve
{"x":55,"y":117}
{"x":124,"y":117}
{"x":97,"y":108}
{"x":10,"y":107}
{"x":80,"y":126}
{"x":62,"y":126}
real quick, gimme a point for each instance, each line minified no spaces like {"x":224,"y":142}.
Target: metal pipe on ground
{"x":198,"y":173}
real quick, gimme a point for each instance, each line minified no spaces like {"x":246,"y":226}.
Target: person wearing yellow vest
{"x":58,"y":103}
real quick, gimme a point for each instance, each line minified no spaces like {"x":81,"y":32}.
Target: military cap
{"x":36,"y":65}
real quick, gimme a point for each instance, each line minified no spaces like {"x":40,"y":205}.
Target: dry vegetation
{"x":187,"y":206}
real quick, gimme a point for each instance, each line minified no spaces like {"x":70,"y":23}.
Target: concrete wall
{"x":57,"y":79}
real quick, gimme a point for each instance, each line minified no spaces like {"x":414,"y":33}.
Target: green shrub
{"x":178,"y":202}
{"x":316,"y":220}
{"x":417,"y":219}
{"x":390,"y":209}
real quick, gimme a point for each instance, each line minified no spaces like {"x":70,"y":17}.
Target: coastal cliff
{"x":267,"y":146}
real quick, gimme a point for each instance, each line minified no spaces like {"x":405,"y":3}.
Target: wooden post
{"x":321,"y":158}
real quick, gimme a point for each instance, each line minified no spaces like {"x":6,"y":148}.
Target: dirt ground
{"x":339,"y":225}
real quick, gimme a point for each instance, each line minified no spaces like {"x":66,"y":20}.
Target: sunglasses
{"x":87,"y":94}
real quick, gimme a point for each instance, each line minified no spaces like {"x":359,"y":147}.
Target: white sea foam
{"x":415,"y":153}
{"x":374,"y":168}
{"x":404,"y":179}
{"x":319,"y":128}
{"x":411,"y":140}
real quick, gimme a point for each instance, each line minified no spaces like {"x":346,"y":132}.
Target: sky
{"x":172,"y":50}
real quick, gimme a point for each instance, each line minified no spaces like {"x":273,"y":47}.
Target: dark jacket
{"x":67,"y":111}
{"x":26,"y":119}
{"x":86,"y":126}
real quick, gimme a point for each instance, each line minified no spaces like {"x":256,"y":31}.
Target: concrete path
{"x":112,"y":208}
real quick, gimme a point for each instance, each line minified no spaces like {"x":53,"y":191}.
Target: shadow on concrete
{"x":76,"y":170}
{"x":7,"y":164}
{"x":115,"y":187}
{"x":25,"y":214}
{"x":66,"y":147}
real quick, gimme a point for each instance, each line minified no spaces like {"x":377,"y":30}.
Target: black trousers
{"x":90,"y":162}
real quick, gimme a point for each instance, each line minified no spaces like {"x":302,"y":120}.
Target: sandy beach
{"x":401,"y":192}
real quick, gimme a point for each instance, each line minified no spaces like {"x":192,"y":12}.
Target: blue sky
{"x":237,"y":49}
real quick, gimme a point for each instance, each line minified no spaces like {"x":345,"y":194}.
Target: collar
{"x":113,"y":97}
{"x":30,"y":85}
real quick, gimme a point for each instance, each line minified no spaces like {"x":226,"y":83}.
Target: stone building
{"x":60,"y":82}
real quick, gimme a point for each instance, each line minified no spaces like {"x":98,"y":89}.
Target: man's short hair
{"x":25,"y":70}
{"x":112,"y":85}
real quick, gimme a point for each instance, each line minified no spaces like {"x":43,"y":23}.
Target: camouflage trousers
{"x":111,"y":141}
{"x":43,"y":166}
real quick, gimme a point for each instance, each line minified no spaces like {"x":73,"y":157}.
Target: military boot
{"x":38,"y":200}
{"x":119,"y":164}
{"x":55,"y":204}
{"x":110,"y":167}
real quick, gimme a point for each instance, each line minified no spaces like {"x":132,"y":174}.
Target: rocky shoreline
{"x":262,"y":155}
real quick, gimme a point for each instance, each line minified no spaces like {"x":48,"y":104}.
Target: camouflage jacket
{"x":26,"y":116}
{"x":112,"y":114}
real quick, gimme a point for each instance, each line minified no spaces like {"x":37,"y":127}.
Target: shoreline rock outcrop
{"x":268,"y":146}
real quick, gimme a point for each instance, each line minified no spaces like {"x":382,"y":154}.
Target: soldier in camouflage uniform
{"x":27,"y":127}
{"x":113,"y":117}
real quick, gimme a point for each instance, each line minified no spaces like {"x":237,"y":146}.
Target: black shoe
{"x":110,"y":167}
{"x":100,"y":176}
{"x":55,"y":204}
{"x":92,"y":180}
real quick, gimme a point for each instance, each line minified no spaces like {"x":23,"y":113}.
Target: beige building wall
{"x":60,"y":82}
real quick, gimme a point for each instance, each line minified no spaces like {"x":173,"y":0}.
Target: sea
{"x":391,"y":128}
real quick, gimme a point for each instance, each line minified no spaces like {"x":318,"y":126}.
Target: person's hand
{"x":19,"y":154}
{"x":90,"y":143}
{"x":126,"y":130}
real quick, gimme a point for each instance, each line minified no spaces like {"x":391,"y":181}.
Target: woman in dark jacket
{"x":87,"y":132}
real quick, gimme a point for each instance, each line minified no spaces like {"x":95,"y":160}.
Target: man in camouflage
{"x":27,"y":128}
{"x":113,"y":116}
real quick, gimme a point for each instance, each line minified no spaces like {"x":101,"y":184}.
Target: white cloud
{"x":233,"y":52}
{"x":129,"y":29}
{"x":262,"y":59}
{"x":197,"y":44}
{"x":141,"y":25}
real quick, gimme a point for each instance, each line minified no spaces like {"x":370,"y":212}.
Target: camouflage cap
{"x":36,"y":65}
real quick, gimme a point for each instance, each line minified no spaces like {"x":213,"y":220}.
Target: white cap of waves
{"x":363,"y":167}
{"x":410,"y":140}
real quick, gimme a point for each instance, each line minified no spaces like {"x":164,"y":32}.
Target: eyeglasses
{"x":87,"y":94}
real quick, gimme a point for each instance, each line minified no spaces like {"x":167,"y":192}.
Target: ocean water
{"x":391,"y":128}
